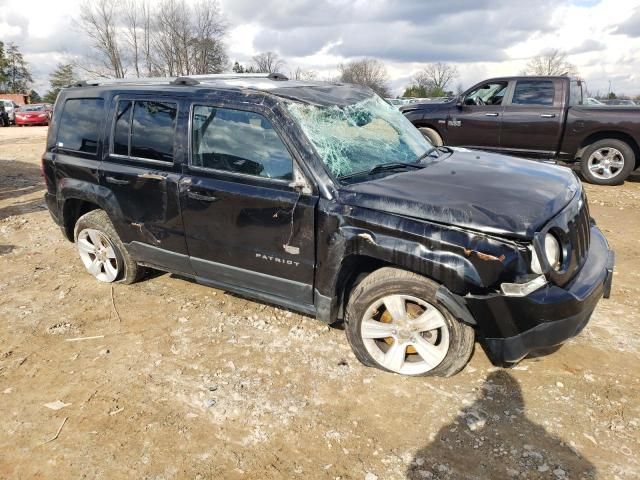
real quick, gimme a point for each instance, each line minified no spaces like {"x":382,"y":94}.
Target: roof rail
{"x":188,"y":80}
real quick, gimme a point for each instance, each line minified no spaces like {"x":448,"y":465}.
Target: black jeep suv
{"x":324,"y":199}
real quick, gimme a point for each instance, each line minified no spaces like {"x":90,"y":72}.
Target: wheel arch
{"x":366,"y":253}
{"x":76,"y":198}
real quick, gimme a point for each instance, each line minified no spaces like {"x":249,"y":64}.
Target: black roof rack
{"x":277,"y":76}
{"x":184,"y":81}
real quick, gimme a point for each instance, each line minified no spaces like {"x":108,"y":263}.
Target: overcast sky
{"x":483,"y":38}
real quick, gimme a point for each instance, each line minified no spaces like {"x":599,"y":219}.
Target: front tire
{"x":434,"y":137}
{"x":607,"y":162}
{"x":101,"y":250}
{"x":394,"y":322}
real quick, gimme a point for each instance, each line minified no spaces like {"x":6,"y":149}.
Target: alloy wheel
{"x":98,"y":255}
{"x":405,"y":334}
{"x":606,"y":163}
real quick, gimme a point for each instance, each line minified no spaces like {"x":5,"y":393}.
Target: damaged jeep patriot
{"x":324,"y":199}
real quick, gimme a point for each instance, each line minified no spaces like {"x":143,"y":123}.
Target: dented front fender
{"x":463,"y":261}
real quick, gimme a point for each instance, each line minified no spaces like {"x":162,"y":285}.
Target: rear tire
{"x":102,"y":252}
{"x":427,"y":338}
{"x":607,"y":162}
{"x":434,"y":137}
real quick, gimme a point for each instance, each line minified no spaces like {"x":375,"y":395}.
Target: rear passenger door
{"x":142,"y":170}
{"x":533,"y":118}
{"x":247,"y":227}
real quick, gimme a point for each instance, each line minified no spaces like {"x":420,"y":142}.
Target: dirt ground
{"x":185,"y":381}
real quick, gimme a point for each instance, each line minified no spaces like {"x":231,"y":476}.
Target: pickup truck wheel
{"x":607,"y":162}
{"x":430,"y":134}
{"x":394,"y":322}
{"x":101,"y":251}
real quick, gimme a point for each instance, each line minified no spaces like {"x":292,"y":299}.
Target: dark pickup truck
{"x":537,"y":117}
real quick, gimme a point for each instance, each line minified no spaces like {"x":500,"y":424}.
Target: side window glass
{"x":152,"y":130}
{"x":575,"y":93}
{"x":240,"y":142}
{"x":122,"y":128}
{"x":80,"y":124}
{"x":533,"y":92}
{"x":487,"y":94}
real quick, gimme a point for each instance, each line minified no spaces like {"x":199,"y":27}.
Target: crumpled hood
{"x":472,"y":189}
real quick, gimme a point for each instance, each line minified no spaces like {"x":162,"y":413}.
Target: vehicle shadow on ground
{"x":4,"y":249}
{"x":493,"y":438}
{"x":22,"y":208}
{"x":634,"y":177}
{"x":156,"y":273}
{"x":20,"y":179}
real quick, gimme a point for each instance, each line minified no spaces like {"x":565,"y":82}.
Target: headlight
{"x":552,"y":251}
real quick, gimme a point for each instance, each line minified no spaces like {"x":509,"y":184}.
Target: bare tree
{"x":300,"y":74}
{"x":208,"y":39}
{"x":147,"y":32}
{"x":268,"y":62}
{"x":368,"y":72}
{"x":133,"y":19}
{"x":170,"y":37}
{"x":434,"y":78}
{"x":99,"y":21}
{"x":552,"y":62}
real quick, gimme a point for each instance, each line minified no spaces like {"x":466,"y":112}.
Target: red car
{"x":35,"y":114}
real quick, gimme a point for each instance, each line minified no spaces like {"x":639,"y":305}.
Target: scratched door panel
{"x":139,"y":169}
{"x":250,"y":228}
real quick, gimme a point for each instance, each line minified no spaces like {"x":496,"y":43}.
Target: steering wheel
{"x":479,"y":101}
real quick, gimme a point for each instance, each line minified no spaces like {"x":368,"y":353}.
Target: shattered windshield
{"x":356,"y":138}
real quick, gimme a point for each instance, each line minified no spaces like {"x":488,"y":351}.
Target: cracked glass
{"x":358,"y":137}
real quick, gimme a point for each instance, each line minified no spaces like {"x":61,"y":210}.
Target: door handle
{"x":490,"y":114}
{"x":117,"y":181}
{"x":153,"y":176}
{"x":199,"y":196}
{"x":548,"y":115}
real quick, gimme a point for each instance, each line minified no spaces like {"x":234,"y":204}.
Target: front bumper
{"x":512,"y":327}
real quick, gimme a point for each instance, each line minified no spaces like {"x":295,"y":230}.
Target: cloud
{"x":408,"y":31}
{"x":631,"y":27}
{"x":589,"y":45}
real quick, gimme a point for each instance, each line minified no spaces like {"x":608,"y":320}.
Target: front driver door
{"x":476,"y":122}
{"x":247,"y":228}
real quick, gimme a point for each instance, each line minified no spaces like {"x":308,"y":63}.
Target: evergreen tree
{"x":3,"y":69}
{"x":35,"y":97}
{"x":17,"y":70}
{"x":61,"y":77}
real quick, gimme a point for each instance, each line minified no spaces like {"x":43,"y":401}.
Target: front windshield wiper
{"x":381,"y":167}
{"x":429,"y":152}
{"x":391,"y":166}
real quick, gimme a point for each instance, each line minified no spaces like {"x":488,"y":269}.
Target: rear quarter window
{"x":80,"y":124}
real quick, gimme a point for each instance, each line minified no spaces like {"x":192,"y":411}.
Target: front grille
{"x":580,"y":233}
